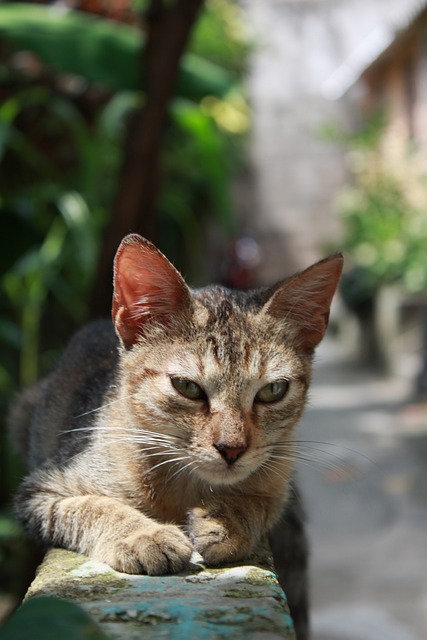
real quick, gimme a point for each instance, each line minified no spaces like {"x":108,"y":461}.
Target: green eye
{"x":188,"y":389}
{"x":272,"y":392}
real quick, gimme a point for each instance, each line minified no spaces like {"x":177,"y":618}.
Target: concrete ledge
{"x":242,"y":601}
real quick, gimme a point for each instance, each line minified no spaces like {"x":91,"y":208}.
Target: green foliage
{"x":59,"y":166}
{"x":45,"y":618}
{"x":107,"y":52}
{"x":385,"y":226}
{"x":61,"y":141}
{"x":11,"y":546}
{"x":385,"y":237}
{"x":220,"y":35}
{"x":367,"y":138}
{"x":207,"y":149}
{"x":55,"y":211}
{"x":196,"y":168}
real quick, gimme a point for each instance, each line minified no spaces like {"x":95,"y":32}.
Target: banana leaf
{"x":100,"y":50}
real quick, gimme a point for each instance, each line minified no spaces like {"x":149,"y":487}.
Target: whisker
{"x":312,"y":460}
{"x":148,"y":452}
{"x":338,"y":446}
{"x":298,"y":448}
{"x":269,"y":466}
{"x":110,"y":427}
{"x":140,"y":435}
{"x":168,"y":461}
{"x":120,"y":431}
{"x":104,"y":406}
{"x":302,"y":447}
{"x":181,"y":470}
{"x":286,"y":444}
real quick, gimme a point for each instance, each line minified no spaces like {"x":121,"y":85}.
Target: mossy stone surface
{"x":242,"y":601}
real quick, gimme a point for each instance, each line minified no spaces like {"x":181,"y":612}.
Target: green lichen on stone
{"x":204,"y":576}
{"x":223,"y":602}
{"x":55,"y":577}
{"x":257,"y":576}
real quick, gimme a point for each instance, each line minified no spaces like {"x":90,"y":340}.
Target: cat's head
{"x":217,"y":377}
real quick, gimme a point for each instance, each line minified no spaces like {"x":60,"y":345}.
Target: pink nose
{"x":230,"y":454}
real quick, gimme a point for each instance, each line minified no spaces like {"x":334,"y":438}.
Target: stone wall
{"x":241,"y":601}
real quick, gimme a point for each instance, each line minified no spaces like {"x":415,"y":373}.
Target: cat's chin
{"x":223,"y":475}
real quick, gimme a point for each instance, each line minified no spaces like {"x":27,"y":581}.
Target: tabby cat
{"x":173,"y":430}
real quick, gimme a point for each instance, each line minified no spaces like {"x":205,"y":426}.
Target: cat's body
{"x":174,"y":432}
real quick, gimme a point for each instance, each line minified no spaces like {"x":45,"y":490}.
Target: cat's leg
{"x":50,"y":508}
{"x":228,"y":529}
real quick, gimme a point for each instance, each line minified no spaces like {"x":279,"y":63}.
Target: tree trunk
{"x":134,"y":206}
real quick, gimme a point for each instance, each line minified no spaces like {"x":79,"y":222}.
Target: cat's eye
{"x":188,"y":388}
{"x":272,"y":392}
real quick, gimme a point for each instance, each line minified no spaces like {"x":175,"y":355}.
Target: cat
{"x":170,"y":429}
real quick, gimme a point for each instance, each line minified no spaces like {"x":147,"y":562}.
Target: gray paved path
{"x":366,"y":498}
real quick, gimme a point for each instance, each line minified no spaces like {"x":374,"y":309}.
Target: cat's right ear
{"x":147,"y":287}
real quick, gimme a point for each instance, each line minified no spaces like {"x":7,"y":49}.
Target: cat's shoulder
{"x":98,"y":334}
{"x":96,"y":342}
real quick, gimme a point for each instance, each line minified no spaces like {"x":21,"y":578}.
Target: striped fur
{"x":128,"y":470}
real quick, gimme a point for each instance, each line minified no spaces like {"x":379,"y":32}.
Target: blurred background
{"x":247,"y":139}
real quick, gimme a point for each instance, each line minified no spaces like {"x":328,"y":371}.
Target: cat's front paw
{"x":215,"y":539}
{"x":158,"y":551}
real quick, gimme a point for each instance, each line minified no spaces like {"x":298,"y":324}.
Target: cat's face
{"x":216,"y":379}
{"x":223,"y":398}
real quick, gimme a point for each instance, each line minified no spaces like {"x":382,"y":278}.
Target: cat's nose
{"x":230,"y":454}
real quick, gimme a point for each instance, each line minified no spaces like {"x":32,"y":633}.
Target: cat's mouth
{"x":220,"y":472}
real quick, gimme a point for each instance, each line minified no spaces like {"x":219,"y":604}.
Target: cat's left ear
{"x":147,"y":287}
{"x":305,"y":299}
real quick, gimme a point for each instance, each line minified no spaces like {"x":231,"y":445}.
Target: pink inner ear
{"x":146,"y":286}
{"x":305,"y":300}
